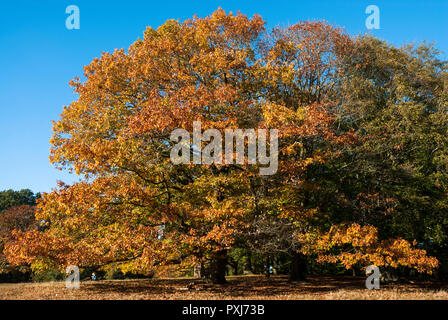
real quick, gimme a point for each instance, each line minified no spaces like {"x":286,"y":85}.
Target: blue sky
{"x":39,"y":56}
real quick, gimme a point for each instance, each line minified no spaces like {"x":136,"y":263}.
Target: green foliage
{"x":44,"y":270}
{"x":114,"y":273}
{"x":395,"y":178}
{"x":48,"y":275}
{"x":11,"y":198}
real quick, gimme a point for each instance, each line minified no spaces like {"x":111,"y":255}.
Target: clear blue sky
{"x":39,"y":56}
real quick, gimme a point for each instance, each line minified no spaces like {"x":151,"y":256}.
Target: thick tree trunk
{"x":216,"y":272}
{"x":298,"y":267}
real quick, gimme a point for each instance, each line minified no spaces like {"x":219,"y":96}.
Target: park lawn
{"x":239,"y":287}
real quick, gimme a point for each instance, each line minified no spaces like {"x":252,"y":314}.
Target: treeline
{"x":16,"y":213}
{"x":362,"y":156}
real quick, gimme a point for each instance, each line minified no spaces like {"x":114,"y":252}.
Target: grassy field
{"x":242,"y":287}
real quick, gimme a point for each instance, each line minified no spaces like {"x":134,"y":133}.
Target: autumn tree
{"x":302,"y":66}
{"x":139,"y":210}
{"x":395,"y":100}
{"x":17,"y":218}
{"x":16,"y":213}
{"x":118,"y":134}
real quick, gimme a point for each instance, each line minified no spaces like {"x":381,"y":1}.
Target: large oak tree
{"x":136,"y":208}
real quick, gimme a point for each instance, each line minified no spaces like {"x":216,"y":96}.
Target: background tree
{"x":395,"y":100}
{"x":302,"y":72}
{"x":14,"y":218}
{"x":11,"y":198}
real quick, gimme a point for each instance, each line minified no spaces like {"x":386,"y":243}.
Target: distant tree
{"x":10,"y":198}
{"x":19,"y":218}
{"x":395,"y":178}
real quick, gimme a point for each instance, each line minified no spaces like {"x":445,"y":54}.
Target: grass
{"x":238,"y":288}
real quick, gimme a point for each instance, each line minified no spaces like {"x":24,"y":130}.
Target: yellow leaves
{"x":169,"y":28}
{"x":294,"y":148}
{"x":33,"y":245}
{"x":366,"y":249}
{"x":42,"y":265}
{"x":297,"y":214}
{"x":278,"y":116}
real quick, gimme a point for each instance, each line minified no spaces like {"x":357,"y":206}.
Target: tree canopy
{"x":362,"y":152}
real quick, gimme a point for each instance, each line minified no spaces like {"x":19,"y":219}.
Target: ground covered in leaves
{"x":241,"y":287}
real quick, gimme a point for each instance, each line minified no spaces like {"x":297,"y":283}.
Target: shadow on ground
{"x":250,"y":286}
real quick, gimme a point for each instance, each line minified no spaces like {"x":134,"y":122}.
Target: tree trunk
{"x":234,"y":266}
{"x":267,"y":270}
{"x":298,"y":267}
{"x":249,"y":264}
{"x":216,"y":272}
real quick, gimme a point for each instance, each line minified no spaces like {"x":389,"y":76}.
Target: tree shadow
{"x":249,"y":286}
